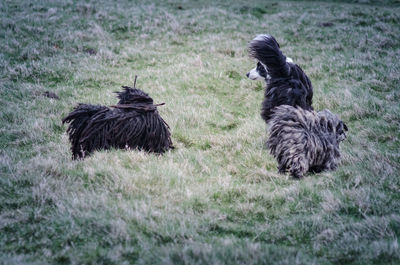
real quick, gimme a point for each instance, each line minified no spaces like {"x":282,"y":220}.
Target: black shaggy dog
{"x":133,"y":123}
{"x":287,"y":84}
{"x":303,"y":140}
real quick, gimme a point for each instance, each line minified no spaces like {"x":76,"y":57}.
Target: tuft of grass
{"x":217,"y":198}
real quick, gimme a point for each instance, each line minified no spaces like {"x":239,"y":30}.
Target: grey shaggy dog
{"x":305,"y":141}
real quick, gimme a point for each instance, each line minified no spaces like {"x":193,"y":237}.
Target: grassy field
{"x":216,"y":198}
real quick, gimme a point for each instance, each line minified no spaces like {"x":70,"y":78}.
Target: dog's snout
{"x":248,"y":74}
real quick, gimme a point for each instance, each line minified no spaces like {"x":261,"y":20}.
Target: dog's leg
{"x":281,"y":168}
{"x":297,"y":175}
{"x":331,"y":165}
{"x":316,"y":169}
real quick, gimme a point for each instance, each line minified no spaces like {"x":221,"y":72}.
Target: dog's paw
{"x":297,"y":175}
{"x":281,"y":170}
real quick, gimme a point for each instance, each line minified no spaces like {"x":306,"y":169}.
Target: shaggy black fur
{"x":304,"y":140}
{"x":288,"y":83}
{"x":133,"y":123}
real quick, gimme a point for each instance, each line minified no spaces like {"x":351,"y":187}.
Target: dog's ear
{"x":338,"y":127}
{"x":345,"y":127}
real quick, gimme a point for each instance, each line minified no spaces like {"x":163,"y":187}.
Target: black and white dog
{"x":287,"y":84}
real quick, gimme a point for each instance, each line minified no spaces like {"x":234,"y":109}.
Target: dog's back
{"x":284,"y":92}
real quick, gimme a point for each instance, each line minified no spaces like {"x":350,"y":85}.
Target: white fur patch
{"x":260,"y":37}
{"x":254,"y":75}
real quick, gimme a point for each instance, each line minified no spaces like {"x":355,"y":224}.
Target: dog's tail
{"x":78,"y":120}
{"x":265,"y":49}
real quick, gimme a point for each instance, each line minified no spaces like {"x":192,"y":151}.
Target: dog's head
{"x":133,"y":96}
{"x":332,"y":123}
{"x":260,"y":71}
{"x":341,"y":130}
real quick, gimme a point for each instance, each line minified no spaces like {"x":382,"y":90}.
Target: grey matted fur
{"x":303,"y":140}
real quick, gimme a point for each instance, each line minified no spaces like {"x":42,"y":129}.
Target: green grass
{"x":216,"y":198}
